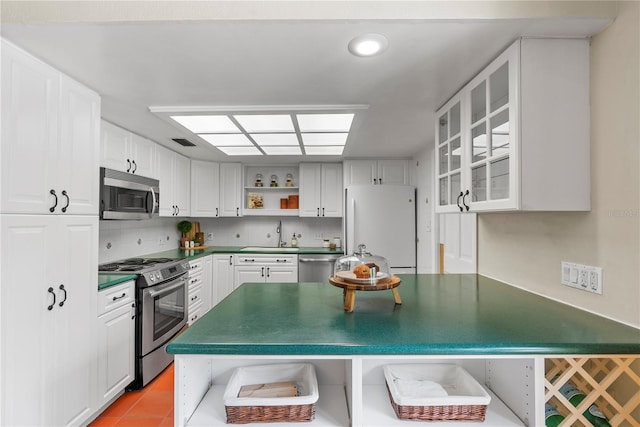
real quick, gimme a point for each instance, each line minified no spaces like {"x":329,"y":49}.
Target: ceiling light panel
{"x":263,"y":139}
{"x":240,"y":151}
{"x":324,"y":122}
{"x":227,"y":139}
{"x":283,"y":151}
{"x":207,"y":124}
{"x":324,"y":150}
{"x":265,"y":122}
{"x":324,"y":138}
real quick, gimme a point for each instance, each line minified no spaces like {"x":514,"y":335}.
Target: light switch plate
{"x":584,"y":277}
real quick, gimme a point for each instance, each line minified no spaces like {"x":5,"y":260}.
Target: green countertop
{"x":439,"y":315}
{"x":107,"y":280}
{"x":212,"y":250}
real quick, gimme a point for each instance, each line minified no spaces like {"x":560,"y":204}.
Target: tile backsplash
{"x":125,"y":239}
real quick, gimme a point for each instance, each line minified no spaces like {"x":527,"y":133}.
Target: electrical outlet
{"x":209,"y":236}
{"x":318,"y":236}
{"x":584,"y":277}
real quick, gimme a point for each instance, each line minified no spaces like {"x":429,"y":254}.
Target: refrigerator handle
{"x":351,"y":223}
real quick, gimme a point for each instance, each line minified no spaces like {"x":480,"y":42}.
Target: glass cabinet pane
{"x":479,"y":183}
{"x":499,"y":87}
{"x":443,"y":159}
{"x":444,"y":200}
{"x":500,"y":133}
{"x":454,"y":117}
{"x":455,"y":187}
{"x":500,"y":179}
{"x":479,"y":102}
{"x":443,"y":128}
{"x":456,"y":153}
{"x":479,"y":142}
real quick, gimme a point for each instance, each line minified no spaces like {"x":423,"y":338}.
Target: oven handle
{"x":167,"y":289}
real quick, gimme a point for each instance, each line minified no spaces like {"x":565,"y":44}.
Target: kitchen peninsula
{"x":502,"y":335}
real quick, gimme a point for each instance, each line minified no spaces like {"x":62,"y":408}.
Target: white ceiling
{"x":136,"y":65}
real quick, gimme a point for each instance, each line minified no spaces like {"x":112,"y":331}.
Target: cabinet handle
{"x":317,"y":211}
{"x":178,"y":210}
{"x":216,"y":212}
{"x":322,"y":211}
{"x":464,"y":198}
{"x":268,"y":271}
{"x":375,"y":181}
{"x":379,"y":180}
{"x":128,"y":165}
{"x":237,"y":211}
{"x":193,"y":298}
{"x":262,"y":274}
{"x":65,"y":295}
{"x":55,"y":202}
{"x":120,"y":297}
{"x":458,"y":201}
{"x":50,"y":290}
{"x":135,"y":166}
{"x":230,"y":259}
{"x":133,"y":306}
{"x":64,"y":193}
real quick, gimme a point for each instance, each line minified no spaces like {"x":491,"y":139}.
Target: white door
{"x":360,"y":172}
{"x":222,"y":281}
{"x":182,"y":185}
{"x":458,"y":234}
{"x":281,"y":274}
{"x":393,"y":172}
{"x":230,"y":189}
{"x":115,"y":145}
{"x":310,"y":189}
{"x":165,"y":164}
{"x":143,"y":156}
{"x":248,"y":273}
{"x":205,"y":189}
{"x":332,"y":194}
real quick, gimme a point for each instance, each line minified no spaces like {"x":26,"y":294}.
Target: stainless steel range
{"x":161,"y":300}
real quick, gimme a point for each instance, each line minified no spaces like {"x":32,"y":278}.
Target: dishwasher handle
{"x":317,"y":259}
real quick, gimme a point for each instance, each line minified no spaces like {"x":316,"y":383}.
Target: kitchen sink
{"x":267,"y":249}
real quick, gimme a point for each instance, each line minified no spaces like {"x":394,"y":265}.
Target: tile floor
{"x":150,"y":407}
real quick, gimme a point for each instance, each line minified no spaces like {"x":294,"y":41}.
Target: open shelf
{"x":271,"y":212}
{"x":331,"y":410}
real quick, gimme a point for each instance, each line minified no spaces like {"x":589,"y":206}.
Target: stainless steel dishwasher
{"x":316,"y":267}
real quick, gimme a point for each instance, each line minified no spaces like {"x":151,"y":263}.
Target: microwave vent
{"x":184,"y":142}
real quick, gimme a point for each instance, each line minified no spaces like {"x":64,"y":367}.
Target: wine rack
{"x":611,"y":382}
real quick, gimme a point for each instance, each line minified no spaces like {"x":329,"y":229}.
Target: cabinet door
{"x":115,"y":144}
{"x":458,"y":235}
{"x":392,"y":172}
{"x":222,"y":278}
{"x":143,"y":156}
{"x":360,"y":172}
{"x":165,"y":164}
{"x":205,"y":189}
{"x":281,"y":274}
{"x":75,"y":314}
{"x":182,"y":185}
{"x":27,"y":342}
{"x":449,"y":167}
{"x":79,"y":149}
{"x":310,"y":193}
{"x":331,"y":190}
{"x":116,"y":351}
{"x":30,"y":104}
{"x":248,"y":273}
{"x":230,"y":189}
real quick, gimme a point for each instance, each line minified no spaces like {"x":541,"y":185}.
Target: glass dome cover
{"x":361,"y":267}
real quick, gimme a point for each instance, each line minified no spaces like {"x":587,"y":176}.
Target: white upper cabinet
{"x":321,"y":190}
{"x":205,"y":189}
{"x":50,"y":139}
{"x":127,"y":152}
{"x":376,"y":172}
{"x":175,"y":188}
{"x":230,"y":189}
{"x":516,"y":137}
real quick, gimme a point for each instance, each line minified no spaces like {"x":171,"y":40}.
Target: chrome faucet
{"x":281,"y":243}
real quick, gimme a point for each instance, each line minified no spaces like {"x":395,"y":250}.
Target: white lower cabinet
{"x":353,"y":392}
{"x":116,"y":340}
{"x":199,"y":297}
{"x":222,"y":277}
{"x":265,"y":268}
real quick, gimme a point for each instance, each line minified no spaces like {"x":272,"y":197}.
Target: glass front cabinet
{"x":516,"y":137}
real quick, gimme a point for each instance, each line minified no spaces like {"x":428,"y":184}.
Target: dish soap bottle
{"x":294,"y":241}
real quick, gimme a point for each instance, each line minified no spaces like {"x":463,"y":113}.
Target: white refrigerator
{"x":382,"y":217}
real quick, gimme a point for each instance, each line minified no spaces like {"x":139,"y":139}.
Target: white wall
{"x":136,"y":238}
{"x":423,"y":174}
{"x":526,"y":249}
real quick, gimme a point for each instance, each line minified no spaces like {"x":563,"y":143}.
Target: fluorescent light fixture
{"x":326,"y":150}
{"x":227,"y":139}
{"x":240,"y":151}
{"x":263,"y":139}
{"x":368,"y":44}
{"x":207,"y":124}
{"x":324,"y":122}
{"x":285,"y":151}
{"x":265,"y":122}
{"x":324,"y":138}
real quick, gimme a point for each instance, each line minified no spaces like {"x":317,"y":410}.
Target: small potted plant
{"x":184,"y":227}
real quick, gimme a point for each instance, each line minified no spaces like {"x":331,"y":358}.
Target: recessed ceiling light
{"x":324,"y":122}
{"x":368,"y":44}
{"x":240,"y":151}
{"x":326,"y":150}
{"x":227,"y":139}
{"x":275,"y":138}
{"x":324,"y":138}
{"x":207,"y":124}
{"x":285,"y":151}
{"x":265,"y":122}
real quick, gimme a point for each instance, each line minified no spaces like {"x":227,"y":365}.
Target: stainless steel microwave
{"x":127,"y":196}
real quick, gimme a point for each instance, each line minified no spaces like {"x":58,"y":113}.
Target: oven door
{"x":164,"y":313}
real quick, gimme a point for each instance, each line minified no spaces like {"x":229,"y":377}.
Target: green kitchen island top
{"x":439,"y":315}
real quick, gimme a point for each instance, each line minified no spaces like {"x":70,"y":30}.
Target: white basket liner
{"x":463,"y":389}
{"x":302,"y":374}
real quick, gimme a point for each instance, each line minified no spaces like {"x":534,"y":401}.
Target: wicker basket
{"x":278,"y":409}
{"x":466,"y":400}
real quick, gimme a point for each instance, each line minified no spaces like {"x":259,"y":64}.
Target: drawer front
{"x":196,"y":265}
{"x":250,"y":259}
{"x":116,"y":296}
{"x":194,"y":280}
{"x":195,"y":313}
{"x":195,"y":296}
